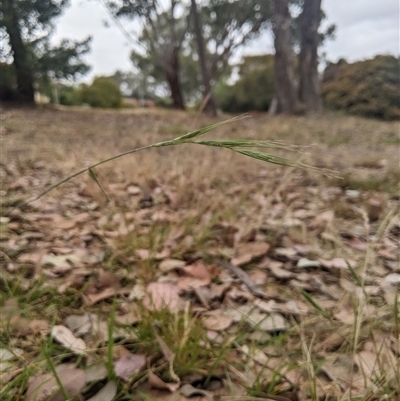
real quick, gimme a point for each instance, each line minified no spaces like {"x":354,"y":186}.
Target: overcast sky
{"x":364,"y":28}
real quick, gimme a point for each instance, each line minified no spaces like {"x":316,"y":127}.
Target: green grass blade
{"x":202,"y":131}
{"x":356,"y":277}
{"x":396,"y":315}
{"x":266,"y":157}
{"x":55,"y":374}
{"x":246,"y":143}
{"x":110,"y":344}
{"x":314,"y":304}
{"x":93,"y":176}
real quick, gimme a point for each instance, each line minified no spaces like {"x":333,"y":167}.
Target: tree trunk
{"x":211,"y":104}
{"x":283,"y":66}
{"x":172,"y":77}
{"x":22,"y":65}
{"x":309,"y":89}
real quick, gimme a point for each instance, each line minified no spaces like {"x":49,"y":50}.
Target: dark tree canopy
{"x":63,"y":61}
{"x":102,"y":93}
{"x":254,"y":89}
{"x":27,"y":25}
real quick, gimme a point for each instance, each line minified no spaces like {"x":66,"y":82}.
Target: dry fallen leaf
{"x":46,"y":388}
{"x":21,"y":326}
{"x":62,"y":223}
{"x":218,"y":290}
{"x":133,"y":190}
{"x":106,"y":279}
{"x":61,"y":263}
{"x":290,"y":307}
{"x":304,"y":263}
{"x":199,"y":271}
{"x":91,"y":299}
{"x":75,"y":280}
{"x":107,"y":393}
{"x":338,"y":367}
{"x":156,"y":382}
{"x":217,"y":320}
{"x":9,"y":309}
{"x":34,"y":257}
{"x":119,"y":351}
{"x":171,"y":264}
{"x":322,"y":220}
{"x":346,"y":316}
{"x":39,"y":327}
{"x":265,"y":322}
{"x":255,"y":354}
{"x":79,"y":324}
{"x":246,"y":253}
{"x":67,"y":339}
{"x":128,"y":314}
{"x":163,"y":295}
{"x":191,"y":283}
{"x":189,"y":391}
{"x":128,"y":365}
{"x":337,"y":263}
{"x":96,"y":372}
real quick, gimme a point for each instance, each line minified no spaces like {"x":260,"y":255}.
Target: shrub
{"x":103,"y":92}
{"x":164,"y":102}
{"x":369,"y":88}
{"x":253,"y":91}
{"x":70,"y":96}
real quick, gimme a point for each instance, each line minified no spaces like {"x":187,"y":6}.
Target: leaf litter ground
{"x":208,"y":275}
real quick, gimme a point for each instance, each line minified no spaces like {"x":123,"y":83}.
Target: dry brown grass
{"x":70,"y":139}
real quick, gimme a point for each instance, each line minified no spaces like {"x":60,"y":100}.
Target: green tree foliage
{"x":62,"y":61}
{"x":129,"y":83}
{"x":70,"y":96}
{"x":253,"y":91}
{"x":369,"y":88}
{"x":26,"y":27}
{"x":150,"y":75}
{"x":102,"y":93}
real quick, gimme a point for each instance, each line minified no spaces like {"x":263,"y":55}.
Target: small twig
{"x":244,"y":278}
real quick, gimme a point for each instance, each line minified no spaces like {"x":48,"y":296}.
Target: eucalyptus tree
{"x":162,"y":34}
{"x":26,"y":27}
{"x":210,"y":104}
{"x":297,"y":40}
{"x":309,"y":82}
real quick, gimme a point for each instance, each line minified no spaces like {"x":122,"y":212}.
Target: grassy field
{"x":205,"y":272}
